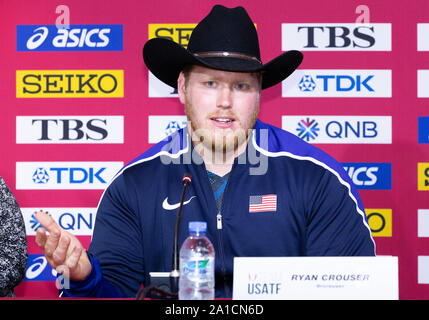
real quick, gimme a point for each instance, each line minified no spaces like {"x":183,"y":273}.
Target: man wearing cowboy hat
{"x":299,"y":202}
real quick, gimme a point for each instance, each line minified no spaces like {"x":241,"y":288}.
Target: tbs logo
{"x":336,"y":37}
{"x":65,"y":175}
{"x":74,"y":129}
{"x":373,"y":176}
{"x":77,"y":38}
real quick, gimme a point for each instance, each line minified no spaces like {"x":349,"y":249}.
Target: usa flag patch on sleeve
{"x":263,"y":203}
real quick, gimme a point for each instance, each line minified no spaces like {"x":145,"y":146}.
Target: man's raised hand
{"x":62,"y":250}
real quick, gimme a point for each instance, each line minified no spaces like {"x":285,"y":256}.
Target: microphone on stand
{"x":186,"y":181}
{"x":159,"y":279}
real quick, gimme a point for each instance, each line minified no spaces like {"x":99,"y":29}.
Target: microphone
{"x":186,"y":181}
{"x":170,"y":281}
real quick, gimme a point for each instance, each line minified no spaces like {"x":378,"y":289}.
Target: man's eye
{"x":210,"y":84}
{"x":242,"y":86}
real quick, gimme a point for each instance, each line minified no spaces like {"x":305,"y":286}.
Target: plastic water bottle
{"x":196,"y":265}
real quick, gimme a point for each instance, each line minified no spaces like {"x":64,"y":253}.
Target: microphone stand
{"x":153,"y":291}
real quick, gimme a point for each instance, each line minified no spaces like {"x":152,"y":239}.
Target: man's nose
{"x":224,"y":98}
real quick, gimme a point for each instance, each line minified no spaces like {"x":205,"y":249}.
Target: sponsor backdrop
{"x":78,"y":103}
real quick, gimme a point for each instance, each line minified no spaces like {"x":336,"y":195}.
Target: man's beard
{"x":220,"y":140}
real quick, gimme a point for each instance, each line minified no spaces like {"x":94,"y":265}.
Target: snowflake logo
{"x":308,"y":129}
{"x":35,"y":224}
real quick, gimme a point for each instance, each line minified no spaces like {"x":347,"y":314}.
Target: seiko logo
{"x":380,"y":222}
{"x":74,"y":129}
{"x":74,"y":38}
{"x":336,"y":37}
{"x":177,"y":32}
{"x":423,"y":176}
{"x":69,"y":83}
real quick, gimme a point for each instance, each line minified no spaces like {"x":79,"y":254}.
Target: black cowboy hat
{"x":225,"y":39}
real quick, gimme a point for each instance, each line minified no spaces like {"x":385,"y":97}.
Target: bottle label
{"x":196,"y":268}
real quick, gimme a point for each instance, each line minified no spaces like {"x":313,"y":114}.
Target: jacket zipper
{"x":221,"y":253}
{"x":219,"y":233}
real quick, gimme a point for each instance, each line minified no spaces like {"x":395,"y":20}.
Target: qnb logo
{"x":78,"y":221}
{"x":364,"y":129}
{"x":40,"y":176}
{"x":308,"y":129}
{"x":77,"y":38}
{"x":340,"y":129}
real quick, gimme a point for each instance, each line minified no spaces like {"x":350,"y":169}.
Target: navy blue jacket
{"x":318,"y":211}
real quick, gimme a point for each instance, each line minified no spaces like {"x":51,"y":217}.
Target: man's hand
{"x":62,"y":250}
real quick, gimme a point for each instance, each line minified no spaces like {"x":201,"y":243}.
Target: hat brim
{"x":166,"y":59}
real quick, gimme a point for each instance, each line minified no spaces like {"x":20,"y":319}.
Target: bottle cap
{"x":197,"y":226}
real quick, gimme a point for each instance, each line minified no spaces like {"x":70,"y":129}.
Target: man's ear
{"x":181,"y":89}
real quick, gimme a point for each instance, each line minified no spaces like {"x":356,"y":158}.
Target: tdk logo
{"x":373,"y":176}
{"x":340,"y":129}
{"x":76,"y":38}
{"x":307,"y":83}
{"x":65,"y":175}
{"x":74,"y":175}
{"x":338,"y":83}
{"x":336,"y":37}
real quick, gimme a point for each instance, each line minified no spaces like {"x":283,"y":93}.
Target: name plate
{"x":315,"y":278}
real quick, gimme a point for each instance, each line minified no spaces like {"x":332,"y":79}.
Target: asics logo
{"x":167,"y":206}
